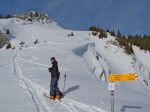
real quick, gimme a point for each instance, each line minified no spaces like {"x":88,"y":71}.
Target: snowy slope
{"x":86,"y":60}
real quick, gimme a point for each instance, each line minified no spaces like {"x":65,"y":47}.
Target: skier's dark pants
{"x":53,"y":87}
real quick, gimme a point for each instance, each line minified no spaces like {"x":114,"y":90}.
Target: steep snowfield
{"x":86,"y":60}
{"x":142,"y":65}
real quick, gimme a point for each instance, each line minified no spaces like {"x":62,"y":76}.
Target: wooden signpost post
{"x":112,"y":78}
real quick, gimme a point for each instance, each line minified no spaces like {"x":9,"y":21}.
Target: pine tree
{"x":112,"y":33}
{"x":8,"y":16}
{"x":7,"y":32}
{"x":119,"y":34}
{"x":108,"y":31}
{"x":129,"y":49}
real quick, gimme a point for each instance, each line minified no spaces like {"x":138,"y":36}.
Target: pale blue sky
{"x":130,"y":16}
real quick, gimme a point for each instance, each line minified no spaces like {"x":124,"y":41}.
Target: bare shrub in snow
{"x":22,"y":43}
{"x":8,"y":46}
{"x":71,"y":34}
{"x":36,"y":41}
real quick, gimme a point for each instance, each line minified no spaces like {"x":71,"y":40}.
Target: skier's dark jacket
{"x":54,"y":70}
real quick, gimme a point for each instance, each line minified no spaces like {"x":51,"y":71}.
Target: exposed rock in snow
{"x":35,"y":17}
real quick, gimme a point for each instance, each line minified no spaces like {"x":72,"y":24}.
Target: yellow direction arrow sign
{"x":122,"y":77}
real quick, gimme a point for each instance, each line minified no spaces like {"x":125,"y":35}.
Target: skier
{"x":54,"y":90}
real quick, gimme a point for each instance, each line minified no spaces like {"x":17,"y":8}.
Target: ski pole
{"x":64,"y":82}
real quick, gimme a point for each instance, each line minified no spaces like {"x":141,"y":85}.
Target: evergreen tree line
{"x":143,"y":42}
{"x":5,"y":17}
{"x":98,"y":31}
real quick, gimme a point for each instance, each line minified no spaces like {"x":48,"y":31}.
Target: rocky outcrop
{"x":35,"y":17}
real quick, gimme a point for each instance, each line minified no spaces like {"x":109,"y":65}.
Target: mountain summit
{"x":35,"y":17}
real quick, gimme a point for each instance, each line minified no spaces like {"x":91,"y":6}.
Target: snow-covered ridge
{"x":20,"y":21}
{"x":33,"y":24}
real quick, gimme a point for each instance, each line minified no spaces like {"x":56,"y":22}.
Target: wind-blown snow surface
{"x":83,"y":58}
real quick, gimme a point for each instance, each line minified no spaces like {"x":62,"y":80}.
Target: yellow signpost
{"x":112,"y":78}
{"x":122,"y":77}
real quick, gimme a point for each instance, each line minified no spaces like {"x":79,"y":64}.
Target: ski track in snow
{"x":36,"y":92}
{"x":1,"y":66}
{"x":82,"y":106}
{"x":26,"y":82}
